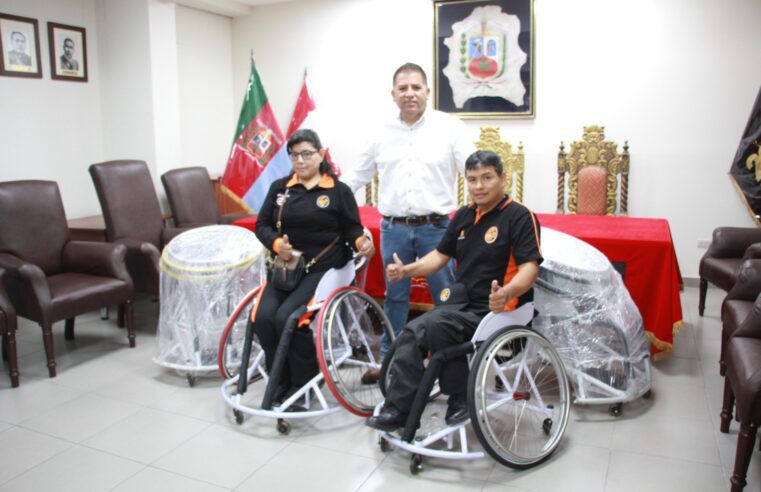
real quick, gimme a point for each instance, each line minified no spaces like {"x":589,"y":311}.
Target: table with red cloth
{"x":644,"y":246}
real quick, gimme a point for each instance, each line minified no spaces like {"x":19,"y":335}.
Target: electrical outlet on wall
{"x":704,"y":243}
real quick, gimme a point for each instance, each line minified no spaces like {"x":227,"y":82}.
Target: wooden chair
{"x":720,"y":264}
{"x":593,"y":166}
{"x":49,"y":277}
{"x":191,"y":198}
{"x":742,"y":390}
{"x":133,"y":217}
{"x":8,"y":324}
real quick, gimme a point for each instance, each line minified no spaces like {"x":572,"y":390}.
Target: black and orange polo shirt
{"x":312,"y":219}
{"x":490,"y":247}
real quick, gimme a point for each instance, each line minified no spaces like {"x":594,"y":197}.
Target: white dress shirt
{"x":417,"y":165}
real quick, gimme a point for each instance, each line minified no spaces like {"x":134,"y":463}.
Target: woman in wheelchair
{"x":493,"y":238}
{"x":312,"y":214}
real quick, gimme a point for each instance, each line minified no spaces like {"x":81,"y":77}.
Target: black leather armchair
{"x":729,"y":247}
{"x":133,"y":218}
{"x":191,"y":198}
{"x":738,"y":303}
{"x":742,"y":390}
{"x":8,"y":332}
{"x":49,"y":277}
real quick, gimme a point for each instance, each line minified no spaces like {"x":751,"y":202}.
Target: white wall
{"x":207,"y":123}
{"x":52,"y":129}
{"x":676,"y":79}
{"x":126,"y":93}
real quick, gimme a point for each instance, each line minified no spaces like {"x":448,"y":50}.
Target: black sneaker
{"x":457,"y":409}
{"x":388,"y":420}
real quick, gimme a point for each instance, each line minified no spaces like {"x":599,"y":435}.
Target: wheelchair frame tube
{"x":426,"y":385}
{"x":281,"y":355}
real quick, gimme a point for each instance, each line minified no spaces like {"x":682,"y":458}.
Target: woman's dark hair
{"x":484,"y":158}
{"x":309,"y":136}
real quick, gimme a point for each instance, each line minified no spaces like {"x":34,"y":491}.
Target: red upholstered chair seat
{"x":592,"y":188}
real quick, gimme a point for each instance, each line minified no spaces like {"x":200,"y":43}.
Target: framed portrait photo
{"x":19,"y":47}
{"x":68,"y":52}
{"x":484,"y":58}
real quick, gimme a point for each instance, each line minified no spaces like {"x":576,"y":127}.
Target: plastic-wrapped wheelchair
{"x":518,"y":398}
{"x":590,"y":318}
{"x":347,"y":328}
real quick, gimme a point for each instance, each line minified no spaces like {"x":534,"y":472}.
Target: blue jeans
{"x":410,"y":243}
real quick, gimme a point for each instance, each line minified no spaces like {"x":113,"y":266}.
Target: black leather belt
{"x":414,"y":220}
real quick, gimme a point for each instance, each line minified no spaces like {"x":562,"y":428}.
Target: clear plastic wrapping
{"x":205,"y":272}
{"x":590,"y":318}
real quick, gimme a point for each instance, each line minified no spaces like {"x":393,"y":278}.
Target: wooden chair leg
{"x":130,"y":318}
{"x":11,"y":355}
{"x":4,"y":347}
{"x":120,"y":316}
{"x":745,"y":441}
{"x":722,"y":364}
{"x":702,"y":296}
{"x":727,"y":404}
{"x":47,"y":340}
{"x":68,"y":331}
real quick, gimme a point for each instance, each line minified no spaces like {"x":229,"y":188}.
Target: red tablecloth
{"x":644,"y":246}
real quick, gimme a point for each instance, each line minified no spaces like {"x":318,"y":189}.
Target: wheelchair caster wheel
{"x":616,"y":409}
{"x":238,"y":416}
{"x":191,"y":379}
{"x":383,"y":443}
{"x":283,"y":427}
{"x":547,"y":426}
{"x":416,"y":464}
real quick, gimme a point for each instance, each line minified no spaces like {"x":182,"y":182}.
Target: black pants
{"x":431,"y":332}
{"x":274,"y":308}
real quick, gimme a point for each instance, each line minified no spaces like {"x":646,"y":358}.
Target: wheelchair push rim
{"x":518,"y":397}
{"x":348,"y":339}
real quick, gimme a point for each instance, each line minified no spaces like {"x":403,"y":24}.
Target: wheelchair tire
{"x":385,"y":380}
{"x":520,"y":422}
{"x":350,"y":325}
{"x":231,"y":340}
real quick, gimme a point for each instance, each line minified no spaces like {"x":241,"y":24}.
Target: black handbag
{"x":286,"y":275}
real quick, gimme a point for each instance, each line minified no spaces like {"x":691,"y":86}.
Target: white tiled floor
{"x":114,"y":421}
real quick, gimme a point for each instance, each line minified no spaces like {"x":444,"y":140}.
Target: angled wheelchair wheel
{"x":233,"y":336}
{"x":518,"y":397}
{"x":348,"y":339}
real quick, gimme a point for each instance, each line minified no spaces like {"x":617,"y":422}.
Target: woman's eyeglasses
{"x":306,"y":154}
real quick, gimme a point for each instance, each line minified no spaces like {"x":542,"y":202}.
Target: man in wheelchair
{"x":495,"y":242}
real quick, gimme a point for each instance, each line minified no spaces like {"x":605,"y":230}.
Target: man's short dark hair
{"x":410,"y":67}
{"x":14,"y":33}
{"x":484,"y":158}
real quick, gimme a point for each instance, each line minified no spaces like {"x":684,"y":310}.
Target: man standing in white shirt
{"x":416,"y":155}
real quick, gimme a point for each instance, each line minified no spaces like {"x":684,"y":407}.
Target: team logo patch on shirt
{"x":323,"y":201}
{"x":444,"y":295}
{"x":491,"y":235}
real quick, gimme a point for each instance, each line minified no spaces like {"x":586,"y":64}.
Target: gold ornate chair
{"x":593,"y":166}
{"x":513,"y":163}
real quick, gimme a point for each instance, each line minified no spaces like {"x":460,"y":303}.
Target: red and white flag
{"x":305,"y":115}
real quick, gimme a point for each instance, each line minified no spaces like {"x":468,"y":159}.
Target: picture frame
{"x":68,"y":52}
{"x":19,"y":47}
{"x":491,"y":74}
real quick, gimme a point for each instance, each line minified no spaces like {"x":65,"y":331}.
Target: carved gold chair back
{"x":594,"y":167}
{"x":513,"y":164}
